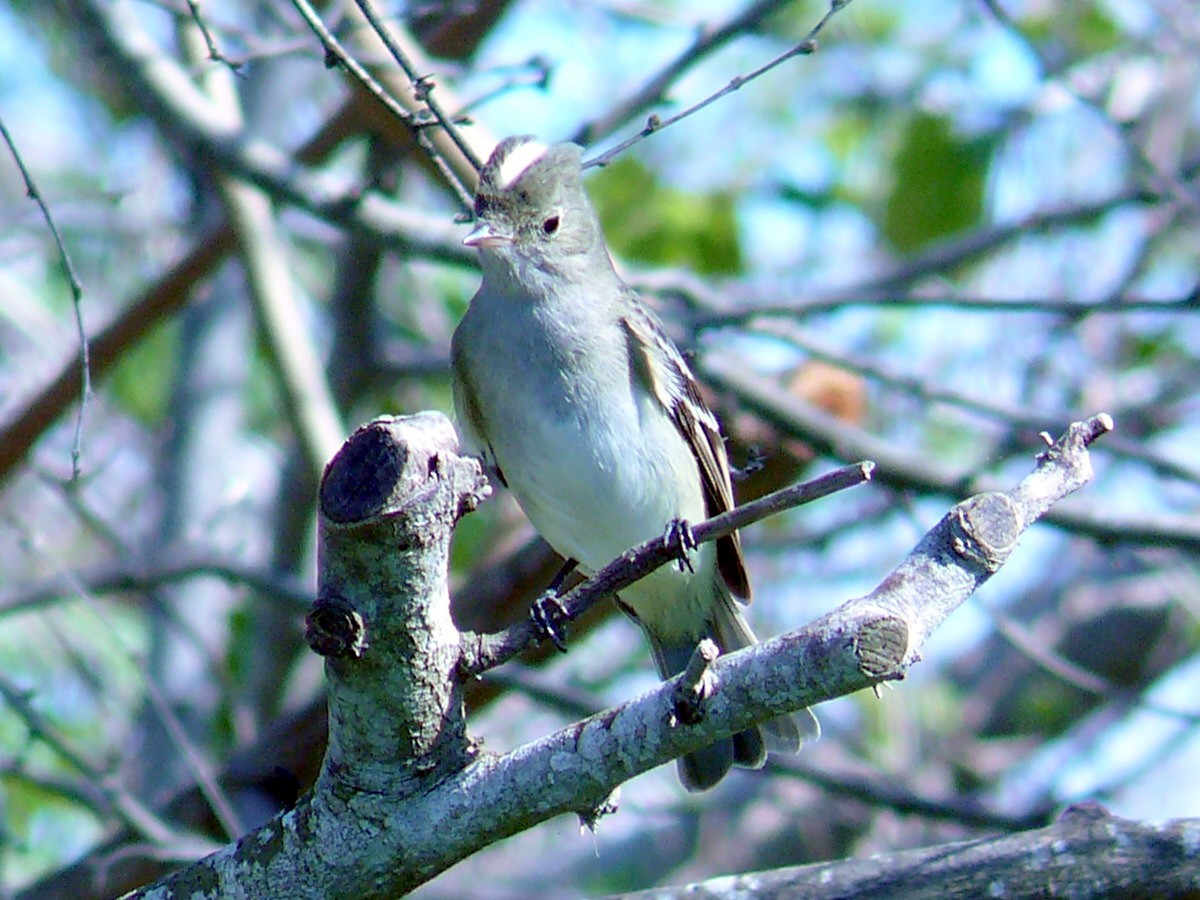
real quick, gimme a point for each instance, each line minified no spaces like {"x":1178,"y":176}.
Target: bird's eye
{"x":550,"y":225}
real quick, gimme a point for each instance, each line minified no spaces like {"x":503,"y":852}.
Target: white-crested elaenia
{"x":568,"y":386}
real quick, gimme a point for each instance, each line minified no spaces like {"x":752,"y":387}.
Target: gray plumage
{"x":569,"y":387}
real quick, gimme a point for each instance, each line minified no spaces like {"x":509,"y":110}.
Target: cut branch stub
{"x":388,"y":503}
{"x":334,"y":628}
{"x":985,"y":530}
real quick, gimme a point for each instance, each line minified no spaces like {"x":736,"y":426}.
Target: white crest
{"x":519,"y":158}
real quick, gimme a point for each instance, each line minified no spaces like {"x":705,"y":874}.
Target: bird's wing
{"x":471,"y":424}
{"x":657,"y":363}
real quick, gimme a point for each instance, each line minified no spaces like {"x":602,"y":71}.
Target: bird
{"x":567,"y":385}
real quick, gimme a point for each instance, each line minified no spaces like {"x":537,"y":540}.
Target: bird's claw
{"x":678,"y":536}
{"x":550,"y":618}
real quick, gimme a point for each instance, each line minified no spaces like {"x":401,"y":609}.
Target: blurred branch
{"x":137,"y":319}
{"x":263,"y":255}
{"x":110,"y":578}
{"x":282,"y":323}
{"x":1087,"y":852}
{"x":119,"y":802}
{"x":949,"y":253}
{"x":1073,"y":674}
{"x":197,"y":764}
{"x":912,"y":471}
{"x":885,"y":791}
{"x":1050,"y":306}
{"x":1014,"y":416}
{"x":1169,"y":183}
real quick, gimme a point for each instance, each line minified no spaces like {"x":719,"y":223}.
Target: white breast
{"x":595,"y":462}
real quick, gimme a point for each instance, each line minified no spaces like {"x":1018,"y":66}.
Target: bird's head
{"x":530,"y":203}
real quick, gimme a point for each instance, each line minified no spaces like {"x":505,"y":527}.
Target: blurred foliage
{"x":137,"y":382}
{"x":648,"y":221}
{"x":1072,"y":30}
{"x":915,"y":127}
{"x":938,"y":181}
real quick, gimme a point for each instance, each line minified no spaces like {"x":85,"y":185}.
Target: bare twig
{"x":335,"y":53}
{"x":422,"y":83}
{"x":85,"y":367}
{"x":483,"y":652}
{"x":214,"y":52}
{"x":654,"y":124}
{"x":708,"y":40}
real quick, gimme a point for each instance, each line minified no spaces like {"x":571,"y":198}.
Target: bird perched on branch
{"x":568,"y":386}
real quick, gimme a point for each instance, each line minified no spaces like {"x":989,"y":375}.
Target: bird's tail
{"x":702,"y":769}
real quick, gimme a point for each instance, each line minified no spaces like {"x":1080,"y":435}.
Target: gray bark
{"x":404,"y":793}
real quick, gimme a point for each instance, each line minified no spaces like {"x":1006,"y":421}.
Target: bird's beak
{"x":484,"y":235}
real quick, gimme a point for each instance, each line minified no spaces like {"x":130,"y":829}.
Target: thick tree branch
{"x":400,"y":769}
{"x":1087,"y":854}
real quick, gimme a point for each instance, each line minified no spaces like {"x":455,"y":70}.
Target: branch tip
{"x":696,"y":684}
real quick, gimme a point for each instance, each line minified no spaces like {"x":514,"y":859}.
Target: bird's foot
{"x":678,"y":536}
{"x":550,"y":619}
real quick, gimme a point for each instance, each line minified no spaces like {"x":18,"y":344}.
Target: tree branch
{"x":483,"y":652}
{"x":399,"y":766}
{"x":1088,"y":852}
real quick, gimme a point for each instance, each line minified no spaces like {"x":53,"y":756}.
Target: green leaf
{"x":141,"y":381}
{"x":1073,"y":30}
{"x":938,"y":185}
{"x":647,"y":221}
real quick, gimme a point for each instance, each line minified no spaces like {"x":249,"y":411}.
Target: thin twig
{"x":483,"y":652}
{"x":336,"y":53}
{"x":655,"y":124}
{"x":85,"y":367}
{"x":422,"y":83}
{"x":214,"y":52}
{"x":708,"y":41}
